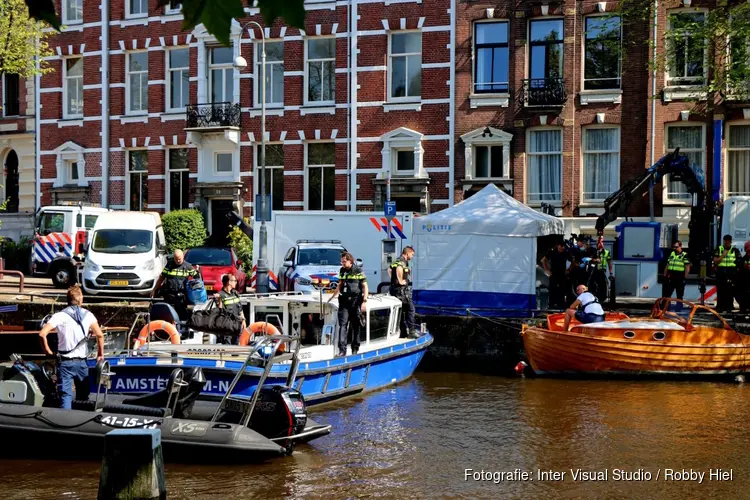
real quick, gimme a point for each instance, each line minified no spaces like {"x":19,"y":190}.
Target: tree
{"x":22,"y":40}
{"x":215,"y":15}
{"x":707,"y":50}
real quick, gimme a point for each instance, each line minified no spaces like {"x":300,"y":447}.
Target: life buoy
{"x":245,"y":336}
{"x":171,"y":330}
{"x":263,"y":328}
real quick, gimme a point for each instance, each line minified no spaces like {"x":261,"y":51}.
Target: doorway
{"x":11,"y":182}
{"x":220,"y":209}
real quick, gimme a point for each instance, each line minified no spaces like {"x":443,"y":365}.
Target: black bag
{"x":215,"y":319}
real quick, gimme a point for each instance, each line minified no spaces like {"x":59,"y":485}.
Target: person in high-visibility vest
{"x":603,"y":261}
{"x":675,"y":272}
{"x":726,"y":260}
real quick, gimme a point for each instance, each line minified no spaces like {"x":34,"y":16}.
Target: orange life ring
{"x":245,"y":336}
{"x":263,"y":328}
{"x":174,"y":335}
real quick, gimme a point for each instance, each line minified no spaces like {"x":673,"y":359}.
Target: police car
{"x":310,"y":259}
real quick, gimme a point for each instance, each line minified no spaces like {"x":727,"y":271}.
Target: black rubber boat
{"x":269,"y":424}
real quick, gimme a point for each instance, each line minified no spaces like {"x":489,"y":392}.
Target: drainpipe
{"x":105,"y":104}
{"x":349,"y":203}
{"x":37,"y":136}
{"x":653,"y":110}
{"x":353,"y":50}
{"x":573,"y":151}
{"x":452,"y":111}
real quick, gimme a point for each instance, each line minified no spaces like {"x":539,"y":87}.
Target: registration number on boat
{"x":118,"y":283}
{"x":126,"y":422}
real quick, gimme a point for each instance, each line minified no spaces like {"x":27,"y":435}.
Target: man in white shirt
{"x":72,"y":325}
{"x":591,"y":310}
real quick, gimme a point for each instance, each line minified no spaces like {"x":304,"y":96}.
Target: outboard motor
{"x":25,"y":383}
{"x":279,"y":411}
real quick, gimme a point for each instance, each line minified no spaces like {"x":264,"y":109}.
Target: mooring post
{"x":132,"y":467}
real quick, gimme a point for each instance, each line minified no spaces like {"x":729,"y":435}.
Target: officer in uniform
{"x":742,"y":292}
{"x":353,"y":292}
{"x":555,"y":266}
{"x":401,"y":288}
{"x":603,"y":261}
{"x":174,"y":278}
{"x":578,"y":275}
{"x":678,"y":267}
{"x":726,"y":259}
{"x":229,"y":299}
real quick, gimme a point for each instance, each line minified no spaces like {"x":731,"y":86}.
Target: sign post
{"x":389,"y":207}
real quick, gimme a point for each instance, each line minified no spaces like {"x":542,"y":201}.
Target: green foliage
{"x":243,"y":246}
{"x":17,"y":255}
{"x":19,"y":33}
{"x":184,"y":229}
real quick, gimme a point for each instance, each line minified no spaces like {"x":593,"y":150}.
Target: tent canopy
{"x":490,"y":212}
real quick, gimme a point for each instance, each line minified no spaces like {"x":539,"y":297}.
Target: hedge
{"x":17,"y":255}
{"x":184,"y":229}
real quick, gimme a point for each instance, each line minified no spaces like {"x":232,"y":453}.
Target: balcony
{"x":219,"y":115}
{"x":543,"y":93}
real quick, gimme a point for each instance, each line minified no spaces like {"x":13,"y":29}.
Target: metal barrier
{"x":18,"y":274}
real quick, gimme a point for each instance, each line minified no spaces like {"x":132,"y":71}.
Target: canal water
{"x":418,"y":439}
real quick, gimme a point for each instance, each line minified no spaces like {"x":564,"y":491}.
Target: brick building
{"x":17,"y":145}
{"x":162,"y":119}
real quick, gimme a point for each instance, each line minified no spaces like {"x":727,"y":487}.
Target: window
{"x":274,"y":73}
{"x":686,"y":53}
{"x":487,"y":154}
{"x":402,"y":153}
{"x":491,"y":57}
{"x":545,"y":166}
{"x":174,"y":7}
{"x":138,"y":180}
{"x":602,"y":58}
{"x":406,"y":65}
{"x":380,"y":320}
{"x":137,"y":82}
{"x":404,"y":161}
{"x":601,"y":162}
{"x":52,"y":222}
{"x":738,"y":160}
{"x":11,"y":95}
{"x":321,"y":67}
{"x":488,"y":162}
{"x":137,"y":7}
{"x":689,"y":138}
{"x":179,"y":179}
{"x":71,"y":172}
{"x":274,"y":174}
{"x":545,"y":52}
{"x":221,"y":73}
{"x":88,"y":220}
{"x":224,"y":163}
{"x":738,"y":76}
{"x":321,"y":174}
{"x":179,"y":78}
{"x":73,"y":83}
{"x":72,"y":11}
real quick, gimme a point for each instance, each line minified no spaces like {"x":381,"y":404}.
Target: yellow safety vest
{"x":603,"y":260}
{"x":730,"y":260}
{"x":230,"y":299}
{"x":677,"y":261}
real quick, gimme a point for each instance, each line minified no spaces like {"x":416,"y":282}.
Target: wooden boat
{"x":679,"y":338}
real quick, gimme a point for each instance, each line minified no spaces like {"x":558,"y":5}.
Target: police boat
{"x":269,"y":423}
{"x":383,"y":358}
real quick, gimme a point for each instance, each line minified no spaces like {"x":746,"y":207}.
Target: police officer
{"x":726,"y":259}
{"x":579,"y":276}
{"x":401,"y":288}
{"x":742,"y":291}
{"x":353,"y":292}
{"x":555,"y":265}
{"x":677,"y":269}
{"x":174,"y":278}
{"x":229,"y":299}
{"x":603,"y":261}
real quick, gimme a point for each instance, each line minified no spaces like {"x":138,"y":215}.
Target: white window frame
{"x":66,"y":87}
{"x":529,"y":154}
{"x":727,"y":149}
{"x":406,"y":55}
{"x":227,"y":69}
{"x":216,"y":171}
{"x":128,"y":76}
{"x":68,"y":174}
{"x":257,"y":77}
{"x":169,"y":72}
{"x":128,"y":174}
{"x":169,"y":10}
{"x":306,"y":82}
{"x":583,"y":60}
{"x":473,"y":139}
{"x":665,"y":192}
{"x":69,"y":152}
{"x":257,"y":167}
{"x":584,"y":152}
{"x":667,"y":78}
{"x":474,"y":56}
{"x":4,"y":102}
{"x":64,"y":14}
{"x":128,"y":12}
{"x":167,"y":182}
{"x":322,"y":184}
{"x":402,"y":139}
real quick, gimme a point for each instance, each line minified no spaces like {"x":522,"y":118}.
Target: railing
{"x":209,"y":115}
{"x":542,"y":92}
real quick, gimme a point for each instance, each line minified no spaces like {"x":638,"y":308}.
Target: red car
{"x":214,"y":262}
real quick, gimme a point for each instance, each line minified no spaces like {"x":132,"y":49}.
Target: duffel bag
{"x":224,"y":321}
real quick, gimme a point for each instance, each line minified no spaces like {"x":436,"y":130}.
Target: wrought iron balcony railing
{"x":543,"y":92}
{"x":212,"y":115}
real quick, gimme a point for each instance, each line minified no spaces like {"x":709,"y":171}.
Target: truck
{"x":59,"y":245}
{"x":304,"y":244}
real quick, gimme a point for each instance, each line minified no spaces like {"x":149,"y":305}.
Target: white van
{"x":126,"y":254}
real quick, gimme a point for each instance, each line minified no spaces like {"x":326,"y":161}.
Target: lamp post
{"x":261,"y":275}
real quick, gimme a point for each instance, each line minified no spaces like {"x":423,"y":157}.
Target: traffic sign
{"x":390,"y":209}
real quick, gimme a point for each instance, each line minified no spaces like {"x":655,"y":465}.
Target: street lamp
{"x":261,"y":276}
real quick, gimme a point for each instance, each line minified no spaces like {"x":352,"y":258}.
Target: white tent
{"x":479,"y":254}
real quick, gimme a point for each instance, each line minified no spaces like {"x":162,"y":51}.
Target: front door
{"x":11,"y":182}
{"x":220,"y":209}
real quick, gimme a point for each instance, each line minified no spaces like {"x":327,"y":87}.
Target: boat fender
{"x":154,"y":326}
{"x":265,"y":328}
{"x":521,"y":367}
